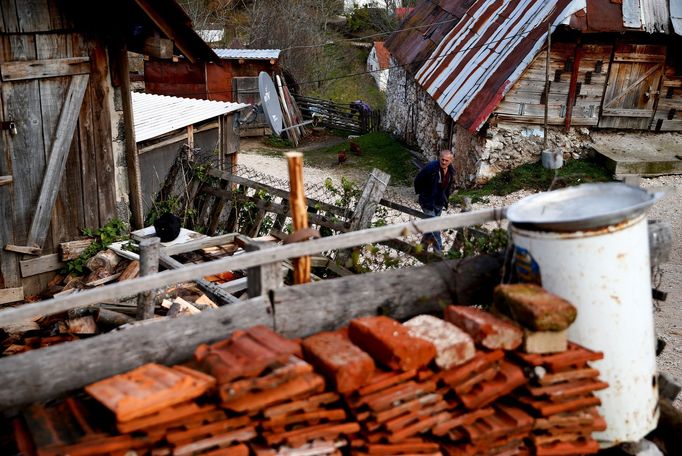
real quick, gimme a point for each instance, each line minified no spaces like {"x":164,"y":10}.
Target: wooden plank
{"x":621,"y":112}
{"x":327,"y":305}
{"x":671,"y":125}
{"x":263,"y":279}
{"x":372,"y":193}
{"x":33,"y":16}
{"x":58,"y":153}
{"x":24,"y":155}
{"x":49,"y":68}
{"x":402,"y":208}
{"x":23,"y":249}
{"x":199,"y":244}
{"x":9,"y":18}
{"x":45,"y":263}
{"x":638,"y":58}
{"x":5,"y":180}
{"x":85,"y":164}
{"x":11,"y":294}
{"x":65,"y":218}
{"x":297,"y":249}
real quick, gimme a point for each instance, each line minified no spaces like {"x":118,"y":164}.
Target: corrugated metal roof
{"x":155,"y":115}
{"x":676,"y":15}
{"x":253,"y":54}
{"x":486,"y":52}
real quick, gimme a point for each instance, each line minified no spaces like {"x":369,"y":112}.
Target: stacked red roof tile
{"x":430,"y":386}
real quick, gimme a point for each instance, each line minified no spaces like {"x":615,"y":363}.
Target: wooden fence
{"x":338,"y":116}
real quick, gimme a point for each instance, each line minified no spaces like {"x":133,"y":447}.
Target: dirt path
{"x":668,"y":315}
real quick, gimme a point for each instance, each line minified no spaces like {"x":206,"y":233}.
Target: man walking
{"x":434,"y":184}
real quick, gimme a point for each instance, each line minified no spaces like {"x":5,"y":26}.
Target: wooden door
{"x":633,"y":85}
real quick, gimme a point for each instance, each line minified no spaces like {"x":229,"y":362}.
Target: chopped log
{"x":106,"y":259}
{"x":131,"y":271}
{"x":73,"y":249}
{"x":110,"y":318}
{"x":149,"y":264}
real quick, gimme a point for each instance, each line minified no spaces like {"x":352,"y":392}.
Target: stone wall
{"x":507,"y":146}
{"x":413,"y":116}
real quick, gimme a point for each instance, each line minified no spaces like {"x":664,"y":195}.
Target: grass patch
{"x":343,"y":60}
{"x":377,"y":150}
{"x":534,"y":176}
{"x":277,"y":142}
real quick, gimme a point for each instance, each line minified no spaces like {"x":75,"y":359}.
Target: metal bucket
{"x":604,"y":271}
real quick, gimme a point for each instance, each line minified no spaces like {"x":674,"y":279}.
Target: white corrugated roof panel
{"x":253,"y":54}
{"x":155,"y":115}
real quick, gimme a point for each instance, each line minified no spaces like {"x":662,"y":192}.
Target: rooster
{"x":355,"y":148}
{"x":342,"y":156}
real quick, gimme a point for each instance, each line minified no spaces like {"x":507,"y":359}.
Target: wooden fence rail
{"x":250,"y":259}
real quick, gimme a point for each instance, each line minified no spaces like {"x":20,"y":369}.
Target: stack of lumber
{"x":461,"y":385}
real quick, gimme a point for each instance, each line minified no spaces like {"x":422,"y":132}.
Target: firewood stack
{"x":462,"y":385}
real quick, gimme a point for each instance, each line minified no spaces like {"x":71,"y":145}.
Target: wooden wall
{"x":37,"y":31}
{"x":668,"y":115}
{"x":606,"y":85}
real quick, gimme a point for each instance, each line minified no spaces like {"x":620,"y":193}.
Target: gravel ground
{"x":668,"y":314}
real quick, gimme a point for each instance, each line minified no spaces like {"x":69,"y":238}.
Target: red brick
{"x":486,"y":329}
{"x":507,"y":420}
{"x":507,"y":379}
{"x":549,"y":408}
{"x":480,"y":363}
{"x":562,"y":391}
{"x":341,"y":362}
{"x":534,"y":307}
{"x":278,"y":376}
{"x":390,"y":343}
{"x":245,"y":353}
{"x":453,"y":346}
{"x":586,"y":446}
{"x":575,"y":356}
{"x":148,"y":389}
{"x":257,"y":401}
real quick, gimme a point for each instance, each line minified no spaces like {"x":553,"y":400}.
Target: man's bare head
{"x":445,"y":158}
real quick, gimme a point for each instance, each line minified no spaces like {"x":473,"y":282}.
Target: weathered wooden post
{"x":299,"y":211}
{"x":263,"y":278}
{"x":149,"y":264}
{"x":374,"y":190}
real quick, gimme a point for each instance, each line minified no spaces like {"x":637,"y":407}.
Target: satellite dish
{"x":270,"y":102}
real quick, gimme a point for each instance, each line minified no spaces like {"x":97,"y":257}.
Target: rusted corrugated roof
{"x":423,"y":29}
{"x":155,"y":115}
{"x":474,"y":65}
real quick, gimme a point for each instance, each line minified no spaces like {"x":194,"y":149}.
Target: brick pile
{"x":461,"y":385}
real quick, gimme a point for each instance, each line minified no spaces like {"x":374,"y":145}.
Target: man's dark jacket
{"x":427,"y":185}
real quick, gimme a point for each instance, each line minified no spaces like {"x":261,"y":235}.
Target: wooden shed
{"x":68,"y":159}
{"x":233,"y":78}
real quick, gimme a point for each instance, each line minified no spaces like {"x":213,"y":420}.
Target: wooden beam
{"x":47,"y":68}
{"x":59,"y":151}
{"x":24,"y":249}
{"x":402,"y":208}
{"x":5,"y":180}
{"x":297,"y":249}
{"x":155,"y":46}
{"x":45,"y":263}
{"x":11,"y":294}
{"x":264,"y":278}
{"x":199,"y":244}
{"x":327,"y":305}
{"x":573,"y":86}
{"x":132,"y":156}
